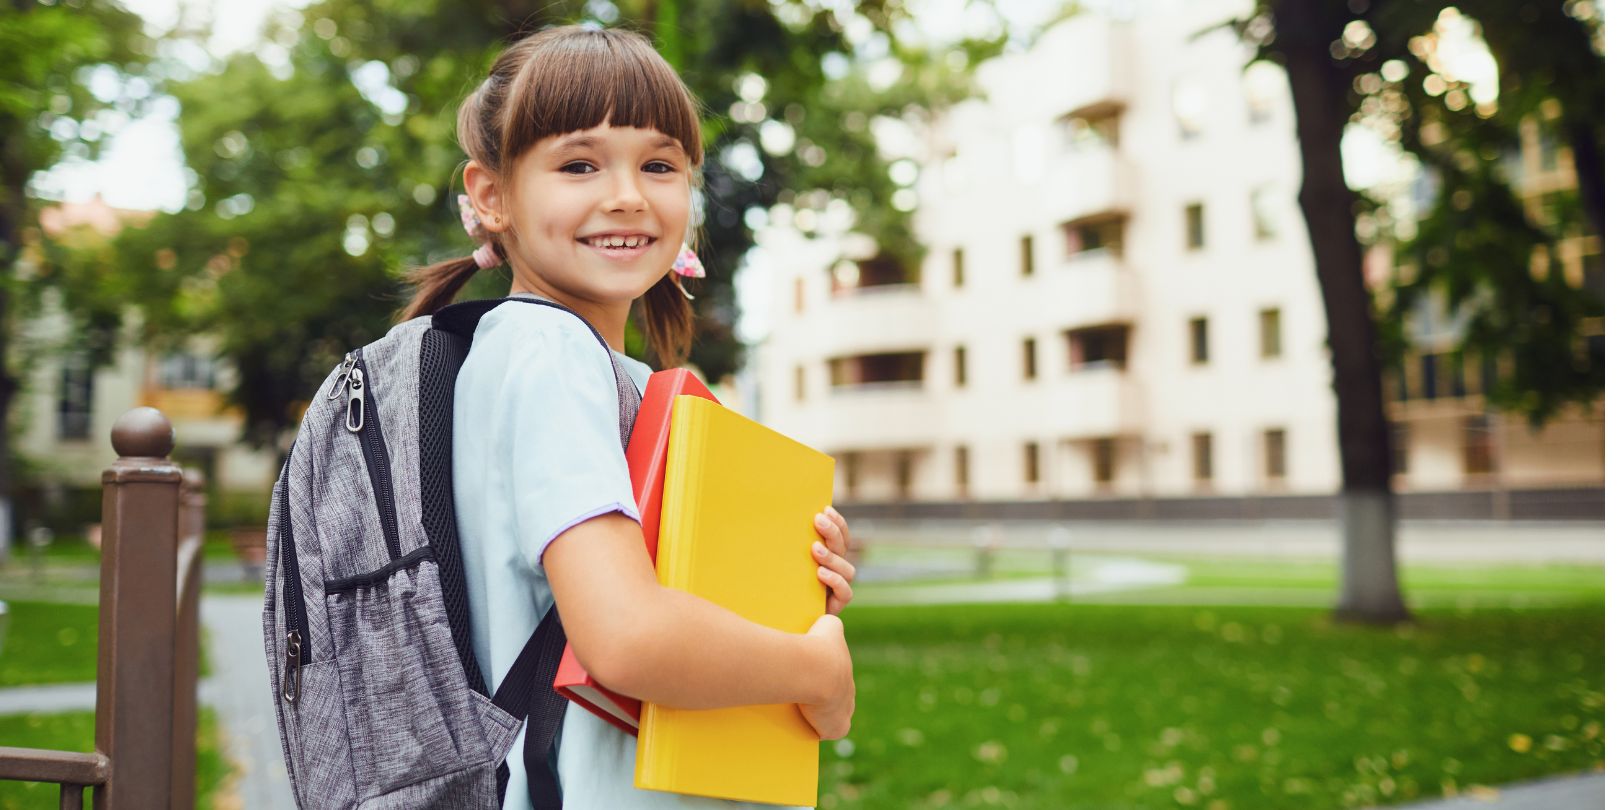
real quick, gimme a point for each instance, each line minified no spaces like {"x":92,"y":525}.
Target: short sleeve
{"x":559,"y":411}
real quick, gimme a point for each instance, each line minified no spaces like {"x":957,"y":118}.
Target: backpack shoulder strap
{"x":526,"y":691}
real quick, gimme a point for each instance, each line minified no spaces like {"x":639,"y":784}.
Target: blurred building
{"x":66,"y":408}
{"x":1118,"y":305}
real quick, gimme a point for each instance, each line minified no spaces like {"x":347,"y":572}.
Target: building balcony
{"x":1088,"y":289}
{"x":869,"y":319}
{"x":1090,"y":402}
{"x":870,"y":416}
{"x":1091,"y":54}
{"x":1086,"y":182}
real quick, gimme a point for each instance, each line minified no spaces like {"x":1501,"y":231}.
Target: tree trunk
{"x":1320,"y":86}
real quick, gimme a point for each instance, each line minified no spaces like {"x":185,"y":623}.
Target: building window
{"x":1029,"y":358}
{"x":1547,"y":143}
{"x":1198,"y":336}
{"x":902,"y":475}
{"x":1270,"y":333}
{"x":183,"y":370}
{"x":894,"y":369}
{"x":1276,"y":454}
{"x":798,"y":294}
{"x":1095,"y":237}
{"x":1264,"y":86}
{"x":1102,"y":461}
{"x":1399,"y":385}
{"x":1266,"y":205}
{"x":1189,"y":102}
{"x":1592,"y":275}
{"x":1487,"y":374}
{"x":1459,"y":379}
{"x":1026,"y":255}
{"x":1195,"y":226}
{"x":852,"y":474}
{"x":1478,"y":457}
{"x":1032,"y":463}
{"x":1084,"y":130}
{"x":798,"y":383}
{"x":1400,"y":438}
{"x":961,"y":366}
{"x":1429,"y":367}
{"x":73,"y":401}
{"x":958,"y":267}
{"x":962,"y":463}
{"x":1203,"y":457}
{"x":1096,"y":347}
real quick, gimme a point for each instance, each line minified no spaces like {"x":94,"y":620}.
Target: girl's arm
{"x":653,"y":643}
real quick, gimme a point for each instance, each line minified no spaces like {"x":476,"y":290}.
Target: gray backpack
{"x":379,"y":699}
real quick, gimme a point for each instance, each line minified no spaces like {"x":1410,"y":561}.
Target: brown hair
{"x":558,"y":81}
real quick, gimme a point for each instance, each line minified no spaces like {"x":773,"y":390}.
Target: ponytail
{"x":666,"y":318}
{"x":437,"y":284}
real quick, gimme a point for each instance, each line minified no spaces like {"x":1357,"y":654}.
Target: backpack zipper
{"x":360,"y":415}
{"x":293,"y":602}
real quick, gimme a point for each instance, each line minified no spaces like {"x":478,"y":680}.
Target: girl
{"x":584,"y":146}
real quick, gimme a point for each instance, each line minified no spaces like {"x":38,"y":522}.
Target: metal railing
{"x":146,"y":662}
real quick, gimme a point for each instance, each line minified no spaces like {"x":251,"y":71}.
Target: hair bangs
{"x":586,"y":77}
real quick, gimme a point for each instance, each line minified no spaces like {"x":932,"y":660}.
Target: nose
{"x":626,"y":196}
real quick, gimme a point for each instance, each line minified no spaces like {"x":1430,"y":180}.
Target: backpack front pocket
{"x":393,"y":646}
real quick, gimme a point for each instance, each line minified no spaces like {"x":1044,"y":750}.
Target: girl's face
{"x":597,"y":216}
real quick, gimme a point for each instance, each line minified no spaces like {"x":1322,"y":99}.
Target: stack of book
{"x":726,"y":507}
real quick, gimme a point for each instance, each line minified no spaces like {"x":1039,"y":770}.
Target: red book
{"x":649,"y":446}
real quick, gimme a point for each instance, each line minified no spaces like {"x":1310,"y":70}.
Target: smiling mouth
{"x":625,"y":243}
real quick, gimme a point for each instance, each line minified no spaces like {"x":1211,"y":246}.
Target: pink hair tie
{"x":485,"y":255}
{"x":687,"y":264}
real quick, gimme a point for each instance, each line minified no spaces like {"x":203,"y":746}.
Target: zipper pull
{"x":293,"y":681}
{"x":356,"y":416}
{"x":349,"y":359}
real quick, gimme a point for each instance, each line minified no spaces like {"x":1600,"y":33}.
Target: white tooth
{"x":616,"y":241}
{"x":636,"y":241}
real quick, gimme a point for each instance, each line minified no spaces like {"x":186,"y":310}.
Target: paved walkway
{"x":1580,"y":792}
{"x":1456,"y":542}
{"x":247,"y":719}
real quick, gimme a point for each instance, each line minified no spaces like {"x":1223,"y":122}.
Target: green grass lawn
{"x":48,"y":643}
{"x":52,"y":642}
{"x":76,"y":731}
{"x":1111,"y":706}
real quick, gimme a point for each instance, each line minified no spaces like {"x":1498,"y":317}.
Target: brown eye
{"x":577,"y":167}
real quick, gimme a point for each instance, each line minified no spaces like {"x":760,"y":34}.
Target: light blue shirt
{"x":536,"y":451}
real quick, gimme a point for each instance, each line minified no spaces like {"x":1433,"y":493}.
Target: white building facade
{"x":1118,"y":299}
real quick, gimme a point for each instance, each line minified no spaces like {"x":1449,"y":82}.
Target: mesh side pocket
{"x":410,"y":714}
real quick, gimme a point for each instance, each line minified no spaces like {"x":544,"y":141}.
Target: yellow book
{"x":736,"y":528}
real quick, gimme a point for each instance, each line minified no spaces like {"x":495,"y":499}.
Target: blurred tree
{"x":1369,"y":60}
{"x":312,"y":200}
{"x":65,"y":84}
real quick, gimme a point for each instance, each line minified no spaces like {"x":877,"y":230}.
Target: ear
{"x":483,"y":190}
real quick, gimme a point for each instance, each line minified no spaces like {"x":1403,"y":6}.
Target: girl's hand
{"x":836,"y":572}
{"x":834,"y":708}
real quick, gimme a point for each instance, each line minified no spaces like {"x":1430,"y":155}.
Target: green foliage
{"x":1105,"y":706}
{"x":311,"y":201}
{"x":1473,"y":246}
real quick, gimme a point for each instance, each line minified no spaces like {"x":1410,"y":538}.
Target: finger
{"x":847,"y":539}
{"x":839,"y":565}
{"x":841,"y":592}
{"x":829,"y":532}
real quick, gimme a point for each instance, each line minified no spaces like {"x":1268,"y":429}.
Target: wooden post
{"x":135,"y":668}
{"x":183,"y":757}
